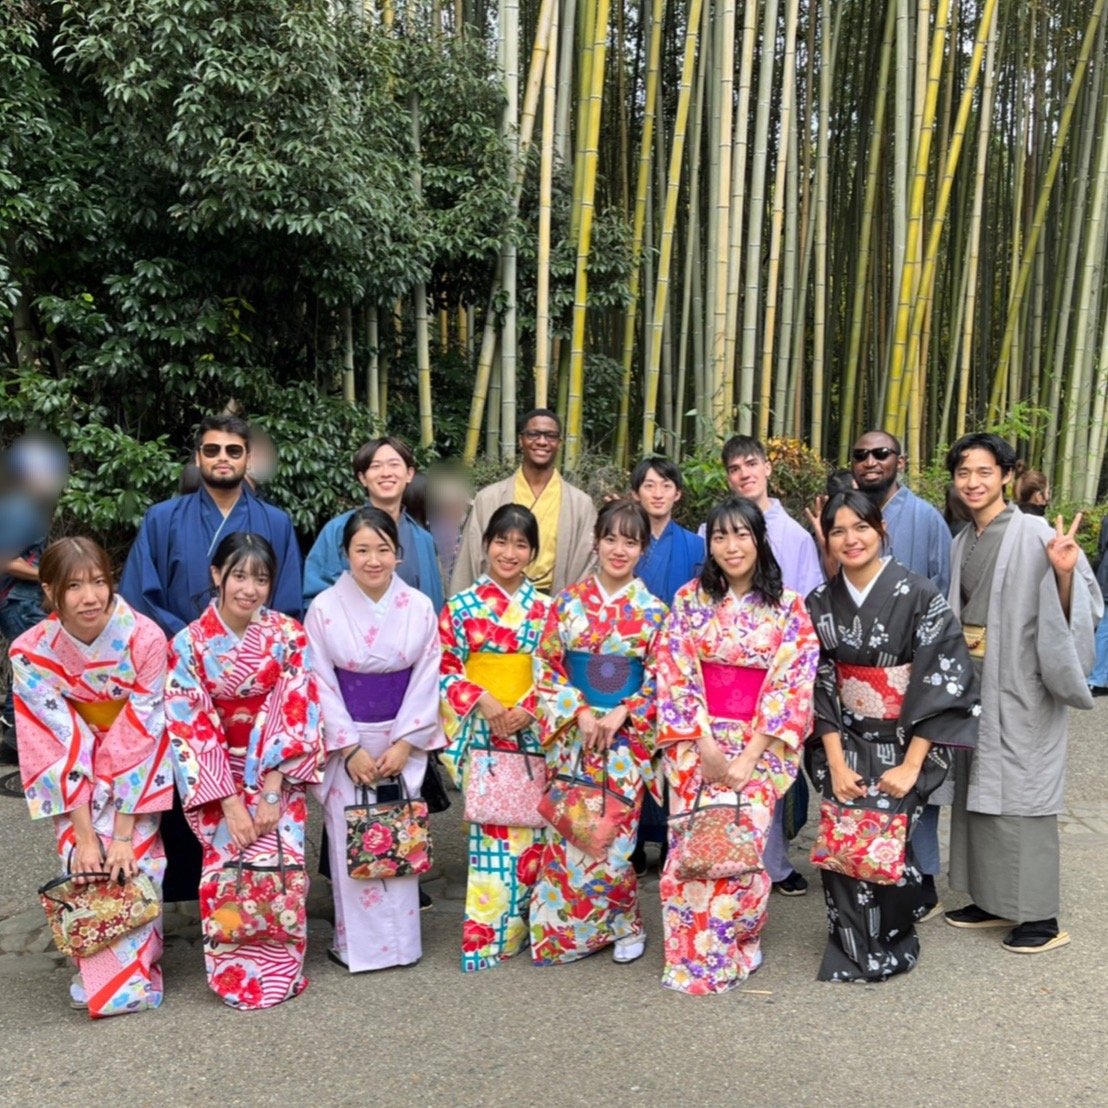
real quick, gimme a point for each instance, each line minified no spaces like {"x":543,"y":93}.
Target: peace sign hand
{"x":1062,"y":550}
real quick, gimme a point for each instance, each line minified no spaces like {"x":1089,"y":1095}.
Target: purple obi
{"x":373,"y":697}
{"x":604,"y":680}
{"x":732,"y":691}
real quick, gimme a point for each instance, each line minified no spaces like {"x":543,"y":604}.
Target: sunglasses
{"x":214,"y":449}
{"x":549,"y":436}
{"x":881,"y":453}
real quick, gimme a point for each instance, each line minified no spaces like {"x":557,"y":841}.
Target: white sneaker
{"x":78,"y":998}
{"x":629,"y":948}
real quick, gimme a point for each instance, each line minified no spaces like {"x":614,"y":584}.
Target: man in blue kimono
{"x":674,"y":555}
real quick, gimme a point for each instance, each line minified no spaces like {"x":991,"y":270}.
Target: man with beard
{"x":920,"y":536}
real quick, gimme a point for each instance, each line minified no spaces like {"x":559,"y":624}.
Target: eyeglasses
{"x":214,"y":449}
{"x":549,"y":436}
{"x":881,"y":453}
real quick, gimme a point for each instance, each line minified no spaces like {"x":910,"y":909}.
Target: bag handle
{"x":280,"y":864}
{"x":739,"y":802}
{"x":406,"y":797}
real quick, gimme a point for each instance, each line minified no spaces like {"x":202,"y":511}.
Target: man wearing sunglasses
{"x":566,"y":515}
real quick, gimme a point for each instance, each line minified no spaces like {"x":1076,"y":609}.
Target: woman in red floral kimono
{"x":735,"y":662}
{"x":243,"y":714}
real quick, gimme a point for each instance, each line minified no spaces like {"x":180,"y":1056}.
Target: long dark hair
{"x":864,"y":507}
{"x":734,"y":513}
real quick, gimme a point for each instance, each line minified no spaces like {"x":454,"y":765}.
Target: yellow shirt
{"x":546,"y":510}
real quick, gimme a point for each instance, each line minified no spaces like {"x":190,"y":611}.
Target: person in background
{"x":1098,"y":676}
{"x":262,"y":467}
{"x":448,"y":503}
{"x":1030,"y":490}
{"x":566,"y":515}
{"x":955,"y":514}
{"x":415,"y":499}
{"x":94,"y":755}
{"x":189,"y":481}
{"x":243,"y":714}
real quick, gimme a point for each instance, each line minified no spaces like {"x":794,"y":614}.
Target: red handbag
{"x":864,"y":843}
{"x":715,"y":840}
{"x":584,"y":812}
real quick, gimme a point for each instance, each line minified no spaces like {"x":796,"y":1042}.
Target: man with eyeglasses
{"x":566,"y":515}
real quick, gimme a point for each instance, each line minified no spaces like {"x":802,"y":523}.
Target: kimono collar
{"x":119,"y":608}
{"x":517,"y":596}
{"x":257,"y":617}
{"x":610,"y":598}
{"x":379,"y":607}
{"x":859,"y":595}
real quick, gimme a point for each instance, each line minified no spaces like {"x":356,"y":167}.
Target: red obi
{"x":238,"y":714}
{"x":732,"y":692}
{"x":873,"y":692}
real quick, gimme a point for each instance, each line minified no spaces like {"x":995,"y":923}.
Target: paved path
{"x":972,"y":1024}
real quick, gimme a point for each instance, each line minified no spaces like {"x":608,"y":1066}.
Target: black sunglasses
{"x":214,"y":449}
{"x":881,"y":453}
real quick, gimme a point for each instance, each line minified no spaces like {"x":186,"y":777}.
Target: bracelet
{"x":122,"y":838}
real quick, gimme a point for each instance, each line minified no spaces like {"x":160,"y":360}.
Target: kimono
{"x":236,"y":709}
{"x":920,"y":536}
{"x":378,"y":667}
{"x":713,"y":928}
{"x":891,"y":667}
{"x":580,"y":905}
{"x":91,"y":731}
{"x":503,"y":861}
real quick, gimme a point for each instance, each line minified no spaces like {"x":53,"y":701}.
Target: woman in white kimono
{"x":375,"y":648}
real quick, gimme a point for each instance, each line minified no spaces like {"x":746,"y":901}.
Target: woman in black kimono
{"x":896,"y":686}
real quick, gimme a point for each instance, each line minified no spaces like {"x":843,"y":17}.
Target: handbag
{"x":86,"y":918}
{"x":433,"y":790}
{"x":585,"y":813}
{"x":388,"y":838}
{"x":504,"y":786}
{"x":864,"y":843}
{"x":250,"y":902}
{"x":715,"y":840}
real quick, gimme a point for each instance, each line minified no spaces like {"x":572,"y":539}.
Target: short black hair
{"x":730,"y":515}
{"x":513,"y":517}
{"x":741,"y":446}
{"x":228,"y":424}
{"x":366,"y":452}
{"x":534,"y":413}
{"x":840,"y":480}
{"x":376,"y":520}
{"x":999,"y":448}
{"x":623,"y":517}
{"x":664,"y":467}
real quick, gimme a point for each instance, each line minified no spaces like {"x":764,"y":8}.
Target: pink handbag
{"x":504,"y":787}
{"x":588,"y":813}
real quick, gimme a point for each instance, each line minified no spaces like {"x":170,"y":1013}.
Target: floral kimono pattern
{"x":91,"y":730}
{"x":713,"y":928}
{"x":890,"y":668}
{"x":580,"y":905}
{"x":503,"y":861}
{"x":236,"y":709}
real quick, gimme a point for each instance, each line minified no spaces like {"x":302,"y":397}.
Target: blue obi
{"x":604,"y":680}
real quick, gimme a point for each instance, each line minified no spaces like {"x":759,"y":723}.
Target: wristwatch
{"x":271,"y":798}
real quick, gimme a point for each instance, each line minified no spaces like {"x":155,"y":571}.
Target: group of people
{"x":184,"y":716}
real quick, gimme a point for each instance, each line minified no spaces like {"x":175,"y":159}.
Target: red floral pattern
{"x":863,"y":843}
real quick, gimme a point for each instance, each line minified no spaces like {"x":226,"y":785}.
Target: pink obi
{"x":873,"y":692}
{"x":732,"y":692}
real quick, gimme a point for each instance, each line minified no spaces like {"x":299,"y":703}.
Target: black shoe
{"x":972,"y":916}
{"x":1035,"y":937}
{"x":638,"y":860}
{"x":9,"y":756}
{"x":793,"y":885}
{"x":425,"y":901}
{"x":1099,"y":690}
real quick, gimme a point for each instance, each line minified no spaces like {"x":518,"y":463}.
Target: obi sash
{"x":100,"y":714}
{"x":873,"y":692}
{"x":604,"y":679}
{"x":238,"y":714}
{"x":507,"y":676}
{"x":732,"y":692}
{"x":373,"y":697}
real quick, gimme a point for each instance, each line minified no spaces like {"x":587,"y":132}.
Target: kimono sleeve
{"x":784,"y":709}
{"x":1066,"y":648}
{"x":827,"y":708}
{"x":142,"y":584}
{"x":682,"y":708}
{"x":324,"y":564}
{"x":135,"y":751}
{"x":459,"y":694}
{"x":418,"y":721}
{"x":642,"y":706}
{"x":55,"y":744}
{"x":200,"y":751}
{"x":557,"y":701}
{"x":339,"y":729}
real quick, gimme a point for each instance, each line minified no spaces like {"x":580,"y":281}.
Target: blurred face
{"x":657,"y":495}
{"x":222,"y":459}
{"x":509,"y":555}
{"x":539,"y":441}
{"x":84,"y":606}
{"x":618,"y":555}
{"x":387,"y":476}
{"x":243,"y":589}
{"x":373,"y":561}
{"x":875,"y":463}
{"x":980,"y":482}
{"x":732,"y":547}
{"x":853,"y":541}
{"x":749,"y":478}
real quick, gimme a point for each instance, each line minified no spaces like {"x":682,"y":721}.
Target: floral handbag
{"x":388,"y":838}
{"x":864,"y":843}
{"x":87,"y":918}
{"x":715,"y":840}
{"x":248,"y":901}
{"x":588,"y":813}
{"x":504,"y":787}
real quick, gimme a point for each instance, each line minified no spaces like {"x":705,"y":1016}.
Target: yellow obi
{"x":507,"y":676}
{"x":546,"y":510}
{"x":100,"y":714}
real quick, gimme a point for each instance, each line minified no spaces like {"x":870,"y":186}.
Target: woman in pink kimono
{"x":243,"y":714}
{"x":375,"y":648}
{"x":736,"y":663}
{"x":93,"y":753}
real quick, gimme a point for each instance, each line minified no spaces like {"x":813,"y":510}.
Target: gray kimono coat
{"x":1034,"y":668}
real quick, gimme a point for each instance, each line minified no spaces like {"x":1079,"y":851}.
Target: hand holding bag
{"x":585,"y":813}
{"x":715,"y":840}
{"x":867,"y":844}
{"x":389,"y":838}
{"x":251,"y":902}
{"x":504,"y":786}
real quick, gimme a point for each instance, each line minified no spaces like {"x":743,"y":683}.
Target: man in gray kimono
{"x":1029,"y":605}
